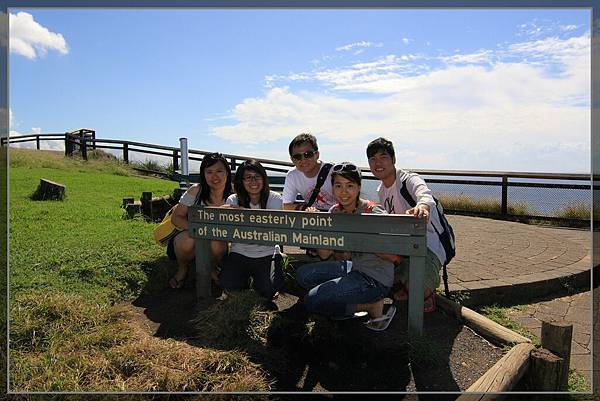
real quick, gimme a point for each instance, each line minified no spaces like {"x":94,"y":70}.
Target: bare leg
{"x":185,"y":252}
{"x":374,"y":309}
{"x":218,"y":249}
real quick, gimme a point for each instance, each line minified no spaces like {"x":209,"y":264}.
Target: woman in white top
{"x":250,"y":260}
{"x":213,"y":190}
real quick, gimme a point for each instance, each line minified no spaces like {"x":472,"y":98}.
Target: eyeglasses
{"x":345,"y":167}
{"x":250,"y":178}
{"x":307,"y":155}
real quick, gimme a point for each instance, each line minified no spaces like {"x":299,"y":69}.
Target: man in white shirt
{"x":302,"y":179}
{"x":382,"y":159}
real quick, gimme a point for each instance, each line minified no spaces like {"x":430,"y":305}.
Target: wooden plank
{"x":416,"y":275}
{"x":503,"y":376}
{"x":392,"y":243}
{"x":327,"y":222}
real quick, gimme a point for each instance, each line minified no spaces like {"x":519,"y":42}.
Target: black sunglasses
{"x":345,"y":167}
{"x":307,"y":155}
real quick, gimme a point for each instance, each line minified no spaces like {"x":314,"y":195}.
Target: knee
{"x":301,"y":276}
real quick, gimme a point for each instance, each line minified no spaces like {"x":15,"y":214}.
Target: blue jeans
{"x":335,"y":293}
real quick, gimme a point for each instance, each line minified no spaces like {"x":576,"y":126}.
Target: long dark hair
{"x":238,"y":183}
{"x":207,"y":161}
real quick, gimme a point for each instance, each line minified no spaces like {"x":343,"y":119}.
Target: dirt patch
{"x":309,"y":353}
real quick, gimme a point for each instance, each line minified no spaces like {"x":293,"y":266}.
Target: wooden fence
{"x":79,"y":141}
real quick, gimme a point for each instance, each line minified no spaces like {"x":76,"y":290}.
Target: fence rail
{"x":507,"y":188}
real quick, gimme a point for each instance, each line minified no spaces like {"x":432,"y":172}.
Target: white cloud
{"x":567,"y":28}
{"x":507,"y":114}
{"x":30,"y":39}
{"x":406,"y":40}
{"x":357,"y":44}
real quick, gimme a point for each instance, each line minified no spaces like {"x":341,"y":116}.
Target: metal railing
{"x":518,"y":195}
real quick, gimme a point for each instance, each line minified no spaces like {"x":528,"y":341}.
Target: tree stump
{"x":545,"y":372}
{"x":49,"y":190}
{"x":556,"y":337}
{"x":133,"y":208}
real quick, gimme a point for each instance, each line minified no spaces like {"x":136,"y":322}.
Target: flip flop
{"x":356,"y":315}
{"x":176,"y":284}
{"x":385,"y":320}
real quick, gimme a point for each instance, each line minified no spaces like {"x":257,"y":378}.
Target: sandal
{"x":383,"y":322}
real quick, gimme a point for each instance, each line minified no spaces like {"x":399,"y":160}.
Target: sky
{"x":454,"y":89}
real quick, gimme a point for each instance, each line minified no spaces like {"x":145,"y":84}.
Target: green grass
{"x":72,"y":262}
{"x":466,"y":203}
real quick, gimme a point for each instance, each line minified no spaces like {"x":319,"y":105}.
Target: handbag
{"x":166,"y":229}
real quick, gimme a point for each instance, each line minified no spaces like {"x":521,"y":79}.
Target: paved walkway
{"x":497,"y":260}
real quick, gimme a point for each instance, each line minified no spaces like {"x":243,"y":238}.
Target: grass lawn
{"x":72,"y":263}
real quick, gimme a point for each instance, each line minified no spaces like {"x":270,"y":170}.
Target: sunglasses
{"x":345,"y":167}
{"x":307,"y":155}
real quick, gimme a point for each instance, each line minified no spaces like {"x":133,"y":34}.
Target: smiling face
{"x":346,"y":192}
{"x":253,"y":184}
{"x":216,"y":176}
{"x":307,"y":165}
{"x":382,"y":167}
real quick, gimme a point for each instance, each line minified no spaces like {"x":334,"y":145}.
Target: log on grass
{"x":49,"y":190}
{"x":494,"y":332}
{"x":503,"y":376}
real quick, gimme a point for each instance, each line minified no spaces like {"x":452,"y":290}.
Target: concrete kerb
{"x":524,"y":292}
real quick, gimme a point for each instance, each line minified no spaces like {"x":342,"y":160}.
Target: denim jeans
{"x":333,"y":292}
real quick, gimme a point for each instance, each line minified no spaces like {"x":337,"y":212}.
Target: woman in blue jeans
{"x":339,"y":288}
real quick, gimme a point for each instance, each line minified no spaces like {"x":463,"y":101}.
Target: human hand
{"x":421,"y":211}
{"x":311,"y":209}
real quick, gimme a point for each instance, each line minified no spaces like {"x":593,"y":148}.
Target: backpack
{"x":320,"y":181}
{"x":446,"y":236}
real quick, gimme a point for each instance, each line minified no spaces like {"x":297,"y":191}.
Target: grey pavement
{"x":573,"y":309}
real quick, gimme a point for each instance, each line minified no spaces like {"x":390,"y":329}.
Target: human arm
{"x":419,"y":190}
{"x":179,"y":215}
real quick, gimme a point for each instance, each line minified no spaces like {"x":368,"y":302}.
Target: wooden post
{"x":416,"y":277}
{"x":126,"y":152}
{"x":556,"y":337}
{"x":504,"y":205}
{"x":147,"y":204}
{"x":175,"y":160}
{"x":83,"y":147}
{"x":68,"y":146}
{"x":203,"y":269}
{"x":94,"y":140}
{"x":545,"y":372}
{"x":37,"y":142}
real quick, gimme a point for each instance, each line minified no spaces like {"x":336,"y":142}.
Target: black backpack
{"x":446,"y":236}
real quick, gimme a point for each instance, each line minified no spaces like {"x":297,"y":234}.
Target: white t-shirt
{"x":188,"y":199}
{"x":394,"y":203}
{"x":252,"y":250}
{"x":296,"y":182}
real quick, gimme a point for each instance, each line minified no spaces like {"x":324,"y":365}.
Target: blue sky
{"x":454,"y":89}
